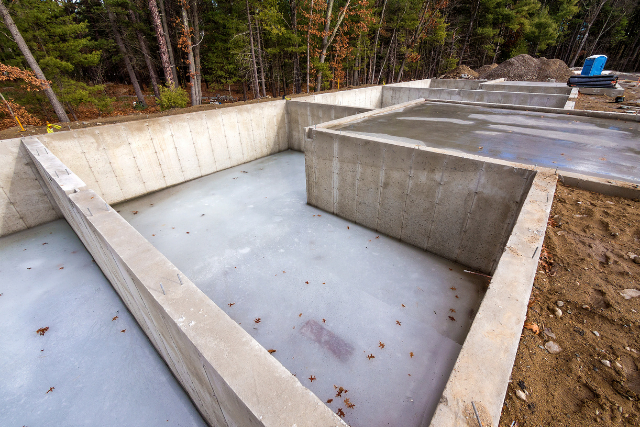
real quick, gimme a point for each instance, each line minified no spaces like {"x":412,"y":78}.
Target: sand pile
{"x":525,"y":67}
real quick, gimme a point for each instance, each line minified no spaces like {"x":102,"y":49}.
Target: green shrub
{"x":172,"y":97}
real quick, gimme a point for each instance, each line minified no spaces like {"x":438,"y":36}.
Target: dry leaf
{"x":532,"y":327}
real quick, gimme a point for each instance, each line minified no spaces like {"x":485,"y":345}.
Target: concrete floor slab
{"x":342,"y":305}
{"x":588,"y":145}
{"x":84,"y":370}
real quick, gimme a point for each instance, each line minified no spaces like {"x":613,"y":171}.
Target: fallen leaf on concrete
{"x":42,"y":331}
{"x":271,"y":351}
{"x":532,"y":327}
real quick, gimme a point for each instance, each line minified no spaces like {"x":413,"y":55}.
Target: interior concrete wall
{"x":482,"y":371}
{"x":392,"y":95}
{"x":366,"y":97}
{"x":552,"y":89}
{"x":455,"y":84}
{"x":302,"y":114}
{"x":232,"y":380}
{"x":458,"y":207}
{"x":23,"y":203}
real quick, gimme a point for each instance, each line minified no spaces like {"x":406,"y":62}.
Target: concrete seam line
{"x":406,"y":196}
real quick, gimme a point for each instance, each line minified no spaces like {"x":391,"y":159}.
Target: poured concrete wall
{"x":302,"y":114}
{"x":562,"y":90}
{"x":459,"y":207}
{"x":23,"y":203}
{"x":395,"y":95}
{"x":482,"y":371}
{"x":455,"y":84}
{"x":232,"y":380}
{"x":127,"y":160}
{"x":366,"y":97}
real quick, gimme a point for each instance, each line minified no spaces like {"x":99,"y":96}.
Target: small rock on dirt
{"x":606,"y":363}
{"x":560,"y":303}
{"x":596,"y":333}
{"x":520,"y":394}
{"x":549,"y":333}
{"x":557,"y":311}
{"x":552,"y":347}
{"x":630,"y":293}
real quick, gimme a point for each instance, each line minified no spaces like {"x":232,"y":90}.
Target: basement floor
{"x":91,"y":364}
{"x":371,"y":325}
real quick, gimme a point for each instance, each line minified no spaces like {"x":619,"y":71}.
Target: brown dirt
{"x":631,"y":104}
{"x":527,"y":68}
{"x":585,"y":264}
{"x":459,"y":71}
{"x":485,"y":69}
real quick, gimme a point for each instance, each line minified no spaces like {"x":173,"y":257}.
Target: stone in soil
{"x":552,"y":347}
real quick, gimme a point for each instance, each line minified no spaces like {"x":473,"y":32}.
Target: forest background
{"x":171,"y":52}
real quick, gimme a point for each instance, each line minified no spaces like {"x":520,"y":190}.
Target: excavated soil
{"x":631,"y":104}
{"x":527,"y":68}
{"x":459,"y":71}
{"x":578,"y":302}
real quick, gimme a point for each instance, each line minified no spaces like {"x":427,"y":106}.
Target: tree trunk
{"x":296,"y":59}
{"x":374,"y":57}
{"x":165,"y":27}
{"x":254,"y":74}
{"x":244,"y":91}
{"x":308,"y":39}
{"x":468,"y":36}
{"x":192,"y":66}
{"x":592,"y":15}
{"x":162,"y":45}
{"x":147,"y":56}
{"x":125,"y":56}
{"x":17,"y":37}
{"x":326,"y":40}
{"x":195,"y":19}
{"x":356,"y":77}
{"x":260,"y":52}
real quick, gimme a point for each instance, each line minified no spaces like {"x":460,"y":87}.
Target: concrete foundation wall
{"x":562,"y":90}
{"x":482,"y":371}
{"x":396,"y":95}
{"x":414,"y":83}
{"x":455,"y":84}
{"x":459,"y":207}
{"x":127,"y":160}
{"x":301,"y":114}
{"x":23,"y":203}
{"x":232,"y":380}
{"x":366,"y":97}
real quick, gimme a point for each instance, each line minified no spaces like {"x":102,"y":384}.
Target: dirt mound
{"x":525,"y":67}
{"x":485,"y":69}
{"x":521,"y":67}
{"x":553,"y":69}
{"x":459,"y":71}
